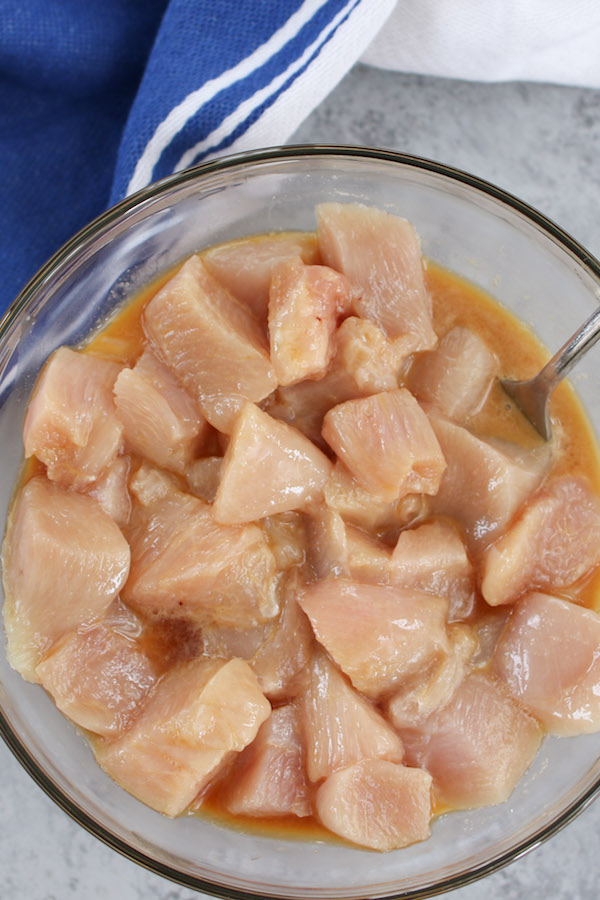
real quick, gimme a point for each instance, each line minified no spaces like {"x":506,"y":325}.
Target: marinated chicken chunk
{"x":378,"y":635}
{"x":268,"y":468}
{"x":213,"y":345}
{"x":268,"y":777}
{"x":53,"y":531}
{"x":340,"y":726}
{"x":198,"y":716}
{"x":387,"y":443}
{"x":161,"y":421}
{"x":98,"y":678}
{"x":305,"y":303}
{"x":477,"y":746}
{"x":549,"y":658}
{"x":456,"y":377}
{"x":381,"y":256}
{"x":554,"y":542}
{"x":377,"y":804}
{"x":71,"y":424}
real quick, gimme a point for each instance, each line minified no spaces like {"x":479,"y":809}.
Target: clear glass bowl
{"x":467,"y":225}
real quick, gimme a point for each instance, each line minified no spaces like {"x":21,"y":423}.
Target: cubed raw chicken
{"x":377,"y":804}
{"x":432,"y":689}
{"x":198,"y":715}
{"x":345,"y":495}
{"x":549,"y":658}
{"x":222,"y":410}
{"x":286,"y":536}
{"x":305,"y":303}
{"x":327,"y":542}
{"x":268,"y":776}
{"x":477,"y":747}
{"x":554,"y":543}
{"x":245,"y":267}
{"x":97,"y":677}
{"x":340,"y":726}
{"x":64,"y":562}
{"x":281,"y":661}
{"x":71,"y":425}
{"x":110,"y":490}
{"x":371,"y":360}
{"x":161,"y":421}
{"x":203,"y":476}
{"x":185,"y":562}
{"x":455,"y":378}
{"x":432,"y":557}
{"x":381,"y":255}
{"x":369,"y":559}
{"x":269,"y":467}
{"x":378,"y":635}
{"x":485,"y":482}
{"x":387,"y":443}
{"x":214,"y":346}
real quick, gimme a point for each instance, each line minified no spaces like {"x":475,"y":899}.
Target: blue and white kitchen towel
{"x":99,"y":99}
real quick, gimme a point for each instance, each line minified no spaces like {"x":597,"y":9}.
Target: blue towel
{"x":97,"y":100}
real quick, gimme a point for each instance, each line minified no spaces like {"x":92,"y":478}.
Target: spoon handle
{"x":564,"y":359}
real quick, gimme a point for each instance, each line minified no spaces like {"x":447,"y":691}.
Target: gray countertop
{"x":539,"y":142}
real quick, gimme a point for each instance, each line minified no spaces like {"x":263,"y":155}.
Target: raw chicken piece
{"x":197,"y":716}
{"x":369,"y":559}
{"x":554,"y":542}
{"x":244,"y":267}
{"x":203,"y":477}
{"x":379,"y":635}
{"x":387,"y":443}
{"x":377,"y":804}
{"x":549,"y":658}
{"x":371,"y":360}
{"x":428,"y":691}
{"x":485,"y":482}
{"x":70,"y":423}
{"x":344,"y":494}
{"x":304,"y":305}
{"x":455,"y":378}
{"x":110,"y":490}
{"x":477,"y":747}
{"x":53,"y":532}
{"x":327,"y":542}
{"x":433,"y":558}
{"x":268,"y":777}
{"x":161,"y":421}
{"x":281,"y":661}
{"x":268,"y":468}
{"x":98,"y":678}
{"x":340,"y":726}
{"x":286,"y":536}
{"x":381,"y":256}
{"x":213,"y":345}
{"x":185,"y":562}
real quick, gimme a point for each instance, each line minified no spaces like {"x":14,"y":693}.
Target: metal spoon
{"x":533,"y":396}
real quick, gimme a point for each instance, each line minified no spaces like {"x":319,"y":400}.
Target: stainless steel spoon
{"x":533,"y":396}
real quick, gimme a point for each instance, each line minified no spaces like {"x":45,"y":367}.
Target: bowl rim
{"x":54,"y":266}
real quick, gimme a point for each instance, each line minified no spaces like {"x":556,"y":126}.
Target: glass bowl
{"x":467,"y":225}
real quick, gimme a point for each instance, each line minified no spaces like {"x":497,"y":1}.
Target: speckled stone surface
{"x":539,"y":142}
